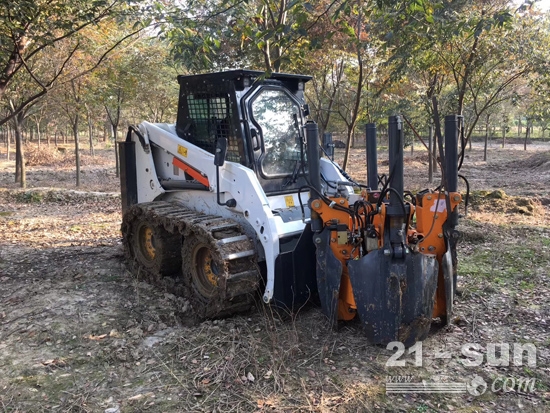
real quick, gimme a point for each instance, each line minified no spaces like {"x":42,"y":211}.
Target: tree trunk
{"x":431,"y":160}
{"x":336,"y":78}
{"x":9,"y":142}
{"x":18,"y":145}
{"x":7,"y":134}
{"x":90,"y":134}
{"x":38,"y":134}
{"x":467,"y":72}
{"x":20,"y":172}
{"x":435,"y":149}
{"x":519,"y":126}
{"x":266,"y":48}
{"x":527,"y":129}
{"x":76,"y":149}
{"x":360,"y":84}
{"x":117,"y":166}
{"x":486,"y":138}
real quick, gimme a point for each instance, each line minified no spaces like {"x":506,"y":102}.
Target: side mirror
{"x":221,"y":150}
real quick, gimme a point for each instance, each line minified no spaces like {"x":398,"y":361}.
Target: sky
{"x":542,"y":4}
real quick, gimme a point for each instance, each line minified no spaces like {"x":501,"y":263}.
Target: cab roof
{"x":240,"y":73}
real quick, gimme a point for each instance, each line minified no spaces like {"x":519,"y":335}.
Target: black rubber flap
{"x":329,"y":274}
{"x":394,"y":297}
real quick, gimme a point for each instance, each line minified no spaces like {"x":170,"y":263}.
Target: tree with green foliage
{"x":272,"y":35}
{"x":40,"y":39}
{"x":31,"y":30}
{"x":468,"y":57}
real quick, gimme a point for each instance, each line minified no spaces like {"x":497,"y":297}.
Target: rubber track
{"x":242,"y":275}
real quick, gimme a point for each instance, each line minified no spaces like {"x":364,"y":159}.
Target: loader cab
{"x":261,"y":118}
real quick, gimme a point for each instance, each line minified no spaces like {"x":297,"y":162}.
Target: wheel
{"x":145,"y":244}
{"x":155,"y":248}
{"x":204,"y":272}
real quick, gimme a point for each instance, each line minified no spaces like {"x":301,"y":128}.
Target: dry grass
{"x":49,"y":167}
{"x":496,"y":207}
{"x":62,"y":156}
{"x":539,"y":162}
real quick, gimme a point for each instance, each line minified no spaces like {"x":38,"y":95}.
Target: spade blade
{"x":394,"y":297}
{"x":447,"y":266}
{"x":329,"y":275}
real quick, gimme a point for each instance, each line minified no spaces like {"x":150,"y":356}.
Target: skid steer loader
{"x":234,"y":198}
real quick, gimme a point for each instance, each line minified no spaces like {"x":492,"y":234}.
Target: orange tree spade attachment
{"x":387,"y":261}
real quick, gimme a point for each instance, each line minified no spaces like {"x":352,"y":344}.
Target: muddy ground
{"x":79,"y":334}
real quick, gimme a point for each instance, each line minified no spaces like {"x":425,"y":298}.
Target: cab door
{"x":274,"y":122}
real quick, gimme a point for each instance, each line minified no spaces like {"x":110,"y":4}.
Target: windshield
{"x":273,"y":111}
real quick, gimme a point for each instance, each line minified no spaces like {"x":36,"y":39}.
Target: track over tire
{"x":229,"y":276}
{"x":203,"y":273}
{"x":155,"y":248}
{"x":218,"y":286}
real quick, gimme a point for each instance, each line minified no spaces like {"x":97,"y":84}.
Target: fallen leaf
{"x":97,"y":338}
{"x":136,"y":397}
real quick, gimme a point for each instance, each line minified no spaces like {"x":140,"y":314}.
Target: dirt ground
{"x":79,"y":334}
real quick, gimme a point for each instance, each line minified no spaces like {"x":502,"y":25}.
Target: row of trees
{"x":80,"y":63}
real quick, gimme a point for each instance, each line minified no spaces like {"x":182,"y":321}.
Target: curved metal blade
{"x":394,"y":297}
{"x":447,"y":266}
{"x":329,"y":275}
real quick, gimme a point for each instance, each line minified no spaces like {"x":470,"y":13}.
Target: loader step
{"x":240,"y":254}
{"x":224,"y":227}
{"x":232,"y":239}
